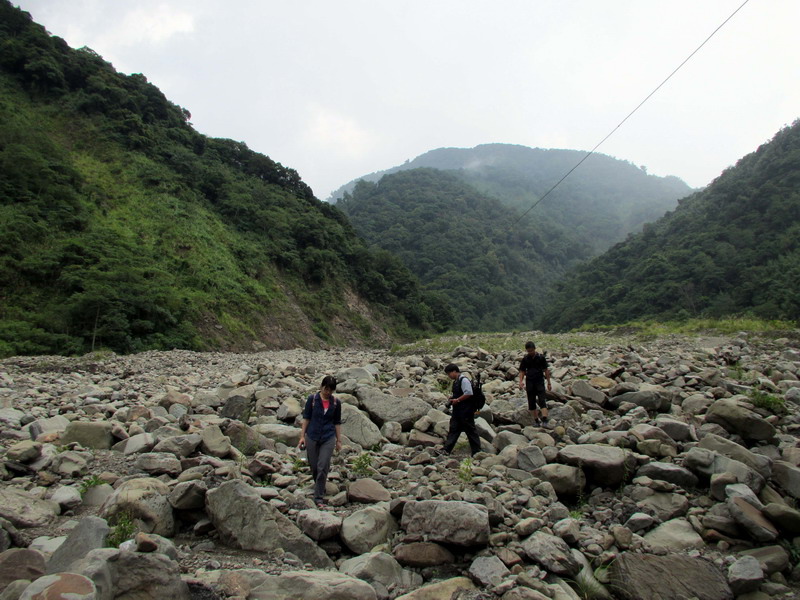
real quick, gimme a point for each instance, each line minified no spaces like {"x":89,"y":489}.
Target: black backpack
{"x":478,"y":397}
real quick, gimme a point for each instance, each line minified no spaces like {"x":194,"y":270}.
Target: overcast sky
{"x":340,"y":88}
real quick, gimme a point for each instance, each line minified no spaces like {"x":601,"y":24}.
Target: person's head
{"x":530,"y":348}
{"x":328,"y":384}
{"x":452,"y":371}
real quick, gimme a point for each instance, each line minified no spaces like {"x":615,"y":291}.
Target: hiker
{"x":321,"y":433}
{"x":533,"y":369}
{"x":463,"y":417}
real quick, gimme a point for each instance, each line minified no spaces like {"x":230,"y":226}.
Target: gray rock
{"x":664,"y":506}
{"x":67,"y":497}
{"x":145,"y":575}
{"x":383,"y":407}
{"x":608,"y":466}
{"x":141,"y":442}
{"x":530,"y":458}
{"x":368,"y":491}
{"x":214,"y":442}
{"x":179,"y":445}
{"x":159,"y":463}
{"x":24,"y":510}
{"x":244,"y":520}
{"x":677,"y":534}
{"x":670,"y":577}
{"x":89,"y":434}
{"x":423,"y":554}
{"x":374,"y":567}
{"x":459,"y":523}
{"x":188,"y":495}
{"x":366,"y":528}
{"x":313,"y":585}
{"x":784,"y":517}
{"x":787,"y":476}
{"x":736,"y":418}
{"x":669,"y":472}
{"x":71,"y":463}
{"x":552,"y":553}
{"x":90,"y":533}
{"x":25,"y":451}
{"x":772,"y":559}
{"x":568,"y":482}
{"x":57,"y":424}
{"x":488,"y":571}
{"x":280,"y":433}
{"x":244,"y":438}
{"x":707,"y":463}
{"x":745,"y":575}
{"x":752,"y":520}
{"x":319,"y":524}
{"x":358,"y":427}
{"x":146,"y":500}
{"x":758,"y":462}
{"x":584,"y":390}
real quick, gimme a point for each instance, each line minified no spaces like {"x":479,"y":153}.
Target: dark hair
{"x":529,"y":345}
{"x":329,"y":381}
{"x":452,"y":368}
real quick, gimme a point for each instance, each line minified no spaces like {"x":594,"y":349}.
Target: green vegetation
{"x":465,"y":470}
{"x":123,"y":529}
{"x":731,"y":250}
{"x":770,"y":402}
{"x":90,"y":482}
{"x":362,"y":464}
{"x":123,"y":228}
{"x":460,"y":233}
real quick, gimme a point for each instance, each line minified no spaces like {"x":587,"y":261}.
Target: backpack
{"x":478,"y":397}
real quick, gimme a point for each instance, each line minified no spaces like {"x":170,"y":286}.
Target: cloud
{"x":150,"y":25}
{"x":329,"y":130}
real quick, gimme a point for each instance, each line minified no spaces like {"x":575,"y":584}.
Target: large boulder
{"x":280,"y":433}
{"x":676,"y":534}
{"x":20,"y":563}
{"x":313,"y":585}
{"x":144,"y":499}
{"x":788,"y":477}
{"x":244,"y":520}
{"x":552,"y":553}
{"x":24,"y":510}
{"x":567,"y":481}
{"x":608,"y":466}
{"x":735,"y":417}
{"x":383,"y":407}
{"x":89,"y":534}
{"x":729,"y":448}
{"x":448,"y":522}
{"x":359,"y":428}
{"x":89,"y":434}
{"x":62,"y":585}
{"x":366,"y":528}
{"x":670,"y":577}
{"x":707,"y":463}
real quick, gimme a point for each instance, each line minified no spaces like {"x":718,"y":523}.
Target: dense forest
{"x":731,"y":249}
{"x":121,"y":227}
{"x":488,"y":271}
{"x":596,"y":206}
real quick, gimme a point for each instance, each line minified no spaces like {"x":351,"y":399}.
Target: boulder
{"x":707,"y":463}
{"x":144,"y":499}
{"x":670,"y":577}
{"x":608,"y":466}
{"x":552,"y":553}
{"x":244,"y":520}
{"x":359,"y":428}
{"x":423,"y":554}
{"x":676,"y":534}
{"x":89,"y":434}
{"x":383,"y":407}
{"x":285,"y":434}
{"x":787,"y":476}
{"x":24,"y":510}
{"x":319,"y":524}
{"x":312,"y":585}
{"x":61,"y":586}
{"x":443,"y":589}
{"x":20,"y":563}
{"x":758,"y":462}
{"x":366,"y":528}
{"x":568,"y":482}
{"x":89,"y":534}
{"x":735,"y":417}
{"x":448,"y":522}
{"x":368,"y":491}
{"x":669,"y":472}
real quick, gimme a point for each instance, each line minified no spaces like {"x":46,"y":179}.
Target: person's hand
{"x":301,"y":445}
{"x":338,"y":445}
{"x":520,"y":385}
{"x":549,"y":387}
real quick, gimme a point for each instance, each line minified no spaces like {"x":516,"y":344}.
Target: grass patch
{"x":767,"y":401}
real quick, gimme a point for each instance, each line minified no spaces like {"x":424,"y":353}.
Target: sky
{"x":338,"y":89}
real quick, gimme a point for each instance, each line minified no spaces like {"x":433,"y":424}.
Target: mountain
{"x":731,"y":249}
{"x":457,"y":224}
{"x":121,"y":227}
{"x":599,"y":203}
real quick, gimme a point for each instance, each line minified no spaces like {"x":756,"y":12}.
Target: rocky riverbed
{"x":670,"y":469}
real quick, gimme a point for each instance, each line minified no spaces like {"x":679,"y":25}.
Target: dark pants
{"x":463,"y":422}
{"x":319,"y":459}
{"x":536,"y":394}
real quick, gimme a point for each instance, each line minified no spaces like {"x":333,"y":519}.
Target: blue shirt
{"x":322,"y":423}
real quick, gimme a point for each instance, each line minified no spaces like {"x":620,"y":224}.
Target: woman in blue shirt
{"x":320,"y":433}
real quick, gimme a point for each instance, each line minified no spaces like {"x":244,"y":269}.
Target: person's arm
{"x":522,"y":375}
{"x":338,"y":438}
{"x":338,"y":423}
{"x":547,"y":376}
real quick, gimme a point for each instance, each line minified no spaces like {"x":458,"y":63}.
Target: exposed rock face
{"x":656,"y":460}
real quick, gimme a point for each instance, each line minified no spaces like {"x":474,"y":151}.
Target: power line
{"x":630,"y":114}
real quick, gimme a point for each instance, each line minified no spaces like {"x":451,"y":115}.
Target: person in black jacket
{"x":533,"y":369}
{"x":321,"y":432}
{"x":463,"y":417}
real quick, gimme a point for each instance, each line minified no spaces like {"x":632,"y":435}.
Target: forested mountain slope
{"x":598,"y":204}
{"x":489,"y":272}
{"x":121,"y":227}
{"x":733,"y":248}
